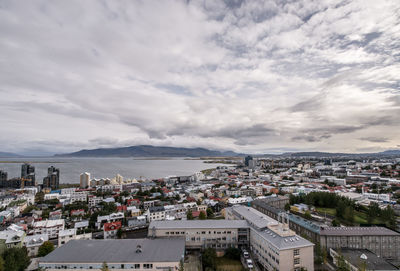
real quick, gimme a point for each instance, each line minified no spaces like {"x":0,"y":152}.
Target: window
{"x":296,"y":261}
{"x":137,"y":265}
{"x":296,"y":252}
{"x":147,"y":266}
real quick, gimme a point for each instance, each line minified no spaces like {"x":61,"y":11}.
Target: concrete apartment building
{"x":274,"y":245}
{"x":375,"y":239}
{"x":383,"y":242}
{"x":132,"y":254}
{"x":49,"y":227}
{"x":200,"y":234}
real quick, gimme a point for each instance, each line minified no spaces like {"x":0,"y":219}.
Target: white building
{"x":65,"y":236}
{"x":85,"y":180}
{"x":33,"y":242}
{"x":49,"y":227}
{"x":79,"y":196}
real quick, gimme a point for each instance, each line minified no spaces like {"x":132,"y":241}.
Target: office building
{"x":132,"y":254}
{"x":52,"y":180}
{"x":273,"y":244}
{"x":85,"y":180}
{"x":28,"y":172}
{"x":201,"y":234}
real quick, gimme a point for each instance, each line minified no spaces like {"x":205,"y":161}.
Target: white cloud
{"x":248,"y":76}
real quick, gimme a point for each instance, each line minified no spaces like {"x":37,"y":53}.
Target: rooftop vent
{"x":138,"y":249}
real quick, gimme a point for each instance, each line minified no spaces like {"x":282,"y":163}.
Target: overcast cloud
{"x":249,"y":76}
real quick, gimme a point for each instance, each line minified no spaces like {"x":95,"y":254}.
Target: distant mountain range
{"x":149,"y":151}
{"x":155,"y":151}
{"x":9,"y":155}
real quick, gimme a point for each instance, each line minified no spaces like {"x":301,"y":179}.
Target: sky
{"x":248,"y":76}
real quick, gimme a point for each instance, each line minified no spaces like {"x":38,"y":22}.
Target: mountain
{"x":9,"y":155}
{"x":388,"y":153}
{"x":148,"y":151}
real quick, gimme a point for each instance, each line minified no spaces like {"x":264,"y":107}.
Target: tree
{"x":209,"y":257}
{"x":104,"y":267}
{"x":232,"y":253}
{"x":181,"y":265}
{"x":189,"y":215}
{"x":39,"y":197}
{"x":202,"y":215}
{"x":1,"y":264}
{"x":119,"y":233}
{"x":45,"y":248}
{"x":341,"y":264}
{"x":15,"y":259}
{"x":349,"y":214}
{"x":287,"y":206}
{"x":307,"y":215}
{"x":210,"y":212}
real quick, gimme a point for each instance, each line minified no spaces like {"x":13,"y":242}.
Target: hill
{"x":148,"y":151}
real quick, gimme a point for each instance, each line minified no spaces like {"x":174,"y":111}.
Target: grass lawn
{"x":225,"y":264}
{"x":328,"y":211}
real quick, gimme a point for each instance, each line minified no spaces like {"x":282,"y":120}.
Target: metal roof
{"x":199,"y":224}
{"x":343,"y":231}
{"x":118,"y":251}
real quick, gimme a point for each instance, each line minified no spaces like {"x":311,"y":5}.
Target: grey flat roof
{"x":358,"y":231}
{"x":199,"y":224}
{"x":253,"y":216}
{"x":283,"y":243}
{"x":373,"y":261}
{"x":118,"y":251}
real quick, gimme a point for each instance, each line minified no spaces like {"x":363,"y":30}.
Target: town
{"x":296,"y":213}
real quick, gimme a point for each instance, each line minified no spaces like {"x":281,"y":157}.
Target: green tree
{"x":15,"y":259}
{"x":209,"y":257}
{"x":210,"y":212}
{"x":45,"y":248}
{"x":341,"y":264}
{"x":39,"y":197}
{"x":1,"y":264}
{"x":181,"y":265}
{"x":232,"y":253}
{"x":189,"y":215}
{"x":119,"y":233}
{"x":307,"y":215}
{"x":202,"y":215}
{"x":287,"y":206}
{"x":349,"y":214}
{"x":104,"y":267}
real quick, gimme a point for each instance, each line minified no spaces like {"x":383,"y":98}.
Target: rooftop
{"x":199,"y":224}
{"x":355,"y":256}
{"x":253,"y":216}
{"x":118,"y":251}
{"x":358,"y":231}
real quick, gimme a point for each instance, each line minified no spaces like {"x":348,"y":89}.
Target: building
{"x":94,"y":201}
{"x":276,"y":201}
{"x":356,"y":259}
{"x":3,"y":178}
{"x":52,"y":180}
{"x":381,"y":241}
{"x":110,"y":229}
{"x":65,"y":236}
{"x":156,"y":213}
{"x":201,"y":234}
{"x":247,"y":159}
{"x":132,"y":254}
{"x":273,"y":244}
{"x":85,"y":180}
{"x":49,"y":227}
{"x":13,"y":236}
{"x":28,"y":172}
{"x":79,"y":196}
{"x":137,"y":221}
{"x":33,"y":242}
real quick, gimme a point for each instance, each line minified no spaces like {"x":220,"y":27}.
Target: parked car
{"x":246,"y":254}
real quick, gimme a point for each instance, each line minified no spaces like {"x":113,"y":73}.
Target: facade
{"x":65,"y":236}
{"x":201,"y":234}
{"x":110,"y":229}
{"x":137,"y":221}
{"x":52,"y":180}
{"x":132,"y":254}
{"x":28,"y":172}
{"x":381,"y":241}
{"x":49,"y":227}
{"x":79,"y":196}
{"x":13,"y":236}
{"x":85,"y":180}
{"x":156,"y":213}
{"x":274,"y":245}
{"x":33,"y":242}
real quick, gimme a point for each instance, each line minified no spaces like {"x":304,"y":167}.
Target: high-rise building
{"x":247,"y":159}
{"x":85,"y":180}
{"x":3,"y":178}
{"x":52,"y":180}
{"x":28,"y":173}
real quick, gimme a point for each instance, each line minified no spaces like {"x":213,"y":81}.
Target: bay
{"x":71,"y":168}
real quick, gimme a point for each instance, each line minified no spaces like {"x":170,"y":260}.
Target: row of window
{"x":122,"y":266}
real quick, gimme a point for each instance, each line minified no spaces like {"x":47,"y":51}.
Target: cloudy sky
{"x":250,"y":76}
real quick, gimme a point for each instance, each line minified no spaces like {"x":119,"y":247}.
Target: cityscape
{"x":201,"y":135}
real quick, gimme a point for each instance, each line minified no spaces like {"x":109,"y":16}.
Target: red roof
{"x":121,"y":208}
{"x":112,"y":226}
